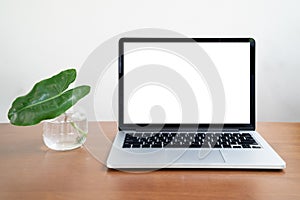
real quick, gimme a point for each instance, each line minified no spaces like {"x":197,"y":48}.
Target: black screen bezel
{"x":122,"y":126}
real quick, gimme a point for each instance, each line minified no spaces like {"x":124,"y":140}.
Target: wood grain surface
{"x":29,"y":170}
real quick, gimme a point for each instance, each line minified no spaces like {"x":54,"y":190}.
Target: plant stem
{"x":66,"y":117}
{"x":78,"y":129}
{"x":73,"y":124}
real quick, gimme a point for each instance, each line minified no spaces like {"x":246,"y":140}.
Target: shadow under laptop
{"x":225,"y":171}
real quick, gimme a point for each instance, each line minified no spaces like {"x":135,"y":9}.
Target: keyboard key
{"x":174,"y":145}
{"x":136,"y":145}
{"x":246,"y":146}
{"x":194,"y":145}
{"x":256,"y":147}
{"x":217,"y":146}
{"x":147,"y":145}
{"x":226,"y":146}
{"x":126,"y":145}
{"x":156,"y":146}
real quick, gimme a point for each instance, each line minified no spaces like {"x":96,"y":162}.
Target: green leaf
{"x":47,"y":99}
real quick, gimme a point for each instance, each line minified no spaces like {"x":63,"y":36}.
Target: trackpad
{"x":201,"y":157}
{"x":210,"y":156}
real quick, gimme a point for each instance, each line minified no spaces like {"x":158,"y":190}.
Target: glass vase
{"x":66,"y":132}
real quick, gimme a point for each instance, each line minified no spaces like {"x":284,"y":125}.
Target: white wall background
{"x":38,"y":38}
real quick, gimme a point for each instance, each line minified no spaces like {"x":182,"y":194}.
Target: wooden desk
{"x":28,"y":170}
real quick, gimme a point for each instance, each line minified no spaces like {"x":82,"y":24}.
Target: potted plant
{"x":50,"y":100}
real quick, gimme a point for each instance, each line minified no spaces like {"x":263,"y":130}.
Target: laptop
{"x":188,"y":103}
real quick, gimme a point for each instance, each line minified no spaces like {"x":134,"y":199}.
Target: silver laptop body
{"x":214,"y":124}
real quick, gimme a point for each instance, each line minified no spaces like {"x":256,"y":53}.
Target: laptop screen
{"x":170,"y":81}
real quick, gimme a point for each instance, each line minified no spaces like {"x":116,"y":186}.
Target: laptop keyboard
{"x":189,"y":140}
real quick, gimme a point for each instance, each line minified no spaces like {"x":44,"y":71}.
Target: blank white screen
{"x":232,"y":61}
